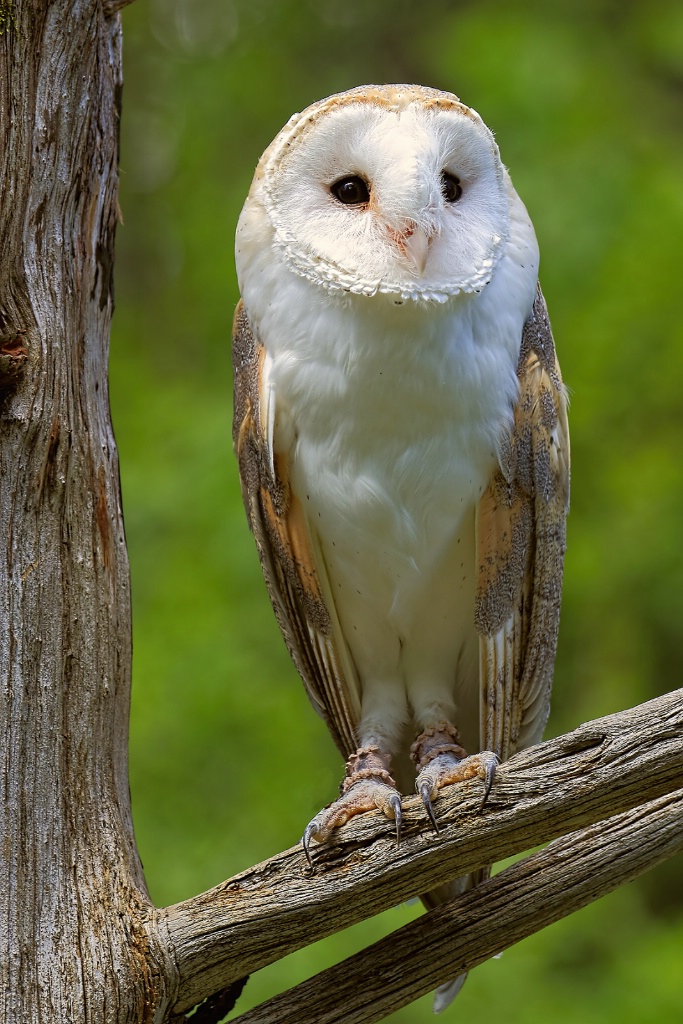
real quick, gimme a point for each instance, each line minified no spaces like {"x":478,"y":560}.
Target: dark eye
{"x":451,"y":187}
{"x":351,"y":190}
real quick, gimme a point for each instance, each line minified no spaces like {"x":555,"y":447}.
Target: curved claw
{"x":425,"y":796}
{"x":311,"y":829}
{"x":491,"y":766}
{"x":395,"y":804}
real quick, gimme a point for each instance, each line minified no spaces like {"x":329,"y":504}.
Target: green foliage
{"x":228,"y":761}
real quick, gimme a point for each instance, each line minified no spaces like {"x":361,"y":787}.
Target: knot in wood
{"x":13,"y":358}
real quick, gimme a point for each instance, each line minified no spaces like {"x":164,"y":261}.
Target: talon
{"x":426,"y":800}
{"x":306,"y":840}
{"x":491,"y":766}
{"x":395,"y":803}
{"x":367,"y":786}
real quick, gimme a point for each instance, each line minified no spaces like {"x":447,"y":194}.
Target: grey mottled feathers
{"x":521,"y":541}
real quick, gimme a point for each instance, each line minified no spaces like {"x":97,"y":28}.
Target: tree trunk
{"x":73,"y":946}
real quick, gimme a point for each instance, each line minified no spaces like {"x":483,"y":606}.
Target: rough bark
{"x":604,"y":767}
{"x":79,"y":939}
{"x":526,"y":897}
{"x":73,"y":945}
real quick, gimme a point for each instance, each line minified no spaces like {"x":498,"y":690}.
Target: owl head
{"x":395,"y":190}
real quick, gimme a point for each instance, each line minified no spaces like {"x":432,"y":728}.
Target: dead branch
{"x":535,"y":892}
{"x":603,"y":768}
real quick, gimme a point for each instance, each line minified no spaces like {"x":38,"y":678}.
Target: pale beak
{"x":416,"y":247}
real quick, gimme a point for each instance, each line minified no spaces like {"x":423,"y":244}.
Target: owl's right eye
{"x":351,"y":190}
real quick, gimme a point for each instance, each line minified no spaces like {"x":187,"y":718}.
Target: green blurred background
{"x":228,"y":761}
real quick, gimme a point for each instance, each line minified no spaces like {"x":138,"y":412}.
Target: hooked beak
{"x":416,"y":247}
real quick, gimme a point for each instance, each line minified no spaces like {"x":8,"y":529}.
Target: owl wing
{"x":520,"y":550}
{"x":291,"y":559}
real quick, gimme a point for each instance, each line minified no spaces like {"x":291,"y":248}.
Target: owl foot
{"x":441,"y":761}
{"x":367,"y":786}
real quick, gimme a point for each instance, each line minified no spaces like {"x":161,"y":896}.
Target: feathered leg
{"x":441,"y":761}
{"x":367,"y":785}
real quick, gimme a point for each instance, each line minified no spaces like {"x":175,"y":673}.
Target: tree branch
{"x":111,"y":7}
{"x":605,"y":767}
{"x":523,"y":899}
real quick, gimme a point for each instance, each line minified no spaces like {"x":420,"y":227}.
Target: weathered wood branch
{"x":605,"y":767}
{"x":523,"y":899}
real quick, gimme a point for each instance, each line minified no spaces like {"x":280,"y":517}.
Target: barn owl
{"x":400,"y":425}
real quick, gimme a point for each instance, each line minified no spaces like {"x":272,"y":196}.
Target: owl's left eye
{"x":351,"y":190}
{"x":450,"y":187}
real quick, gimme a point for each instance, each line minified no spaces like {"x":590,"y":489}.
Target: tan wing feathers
{"x":521,"y":542}
{"x":290,"y":556}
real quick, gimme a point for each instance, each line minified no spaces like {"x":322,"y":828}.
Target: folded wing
{"x":289,"y":550}
{"x":520,"y":550}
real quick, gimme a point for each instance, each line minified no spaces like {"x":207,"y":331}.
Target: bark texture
{"x":456,"y":936}
{"x":73,"y":941}
{"x":604,"y":767}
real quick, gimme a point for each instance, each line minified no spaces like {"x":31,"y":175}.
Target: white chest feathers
{"x":392,"y":418}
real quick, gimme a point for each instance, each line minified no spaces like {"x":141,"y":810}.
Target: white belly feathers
{"x":392,"y":429}
{"x":392,"y":415}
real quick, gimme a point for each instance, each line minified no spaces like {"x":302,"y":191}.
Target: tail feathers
{"x":446,"y":993}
